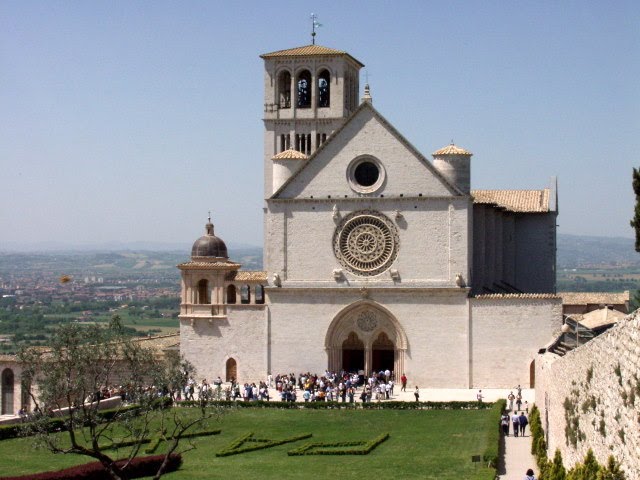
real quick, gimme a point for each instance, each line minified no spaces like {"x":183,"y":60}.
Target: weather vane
{"x":314,"y":24}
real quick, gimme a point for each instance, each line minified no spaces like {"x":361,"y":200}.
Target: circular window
{"x":365,"y":175}
{"x":366,"y":243}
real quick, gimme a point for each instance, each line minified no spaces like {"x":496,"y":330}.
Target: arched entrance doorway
{"x":365,"y":336}
{"x":353,"y":353}
{"x":7,"y":392}
{"x":382,"y":353}
{"x":231,"y":370}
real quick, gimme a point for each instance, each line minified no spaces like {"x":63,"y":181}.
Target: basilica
{"x":376,"y":257}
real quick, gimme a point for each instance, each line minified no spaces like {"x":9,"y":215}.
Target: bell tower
{"x":308,"y":93}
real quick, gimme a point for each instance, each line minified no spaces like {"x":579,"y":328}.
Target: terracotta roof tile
{"x":307,"y":50}
{"x":601,"y":317}
{"x":452,"y":150}
{"x":584,"y":298}
{"x":246,"y":276}
{"x":290,"y":154}
{"x":527,"y":201}
{"x":219,"y":265}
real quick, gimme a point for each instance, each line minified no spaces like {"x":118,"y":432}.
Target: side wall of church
{"x":436,"y":326}
{"x":13,"y":400}
{"x":535,"y":240}
{"x":596,"y":387}
{"x":241,"y":336}
{"x":506,"y":335}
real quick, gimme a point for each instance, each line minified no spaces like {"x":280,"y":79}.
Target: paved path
{"x":517,"y":458}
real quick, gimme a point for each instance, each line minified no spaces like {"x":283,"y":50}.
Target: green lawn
{"x":427,"y":444}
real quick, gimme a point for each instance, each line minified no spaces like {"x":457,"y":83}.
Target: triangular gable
{"x":339,"y":149}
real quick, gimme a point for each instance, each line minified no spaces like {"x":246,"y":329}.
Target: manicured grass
{"x":426,"y":444}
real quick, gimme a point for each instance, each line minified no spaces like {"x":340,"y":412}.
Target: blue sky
{"x":128,"y":121}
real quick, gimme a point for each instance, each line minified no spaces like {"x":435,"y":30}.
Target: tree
{"x":612,"y":471}
{"x":68,"y":381}
{"x":635,"y":222}
{"x":587,"y":470}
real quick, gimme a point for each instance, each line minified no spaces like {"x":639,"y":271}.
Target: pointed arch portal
{"x":366,"y":336}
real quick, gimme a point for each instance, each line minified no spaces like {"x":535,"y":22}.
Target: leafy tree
{"x":67,"y":381}
{"x":635,"y":222}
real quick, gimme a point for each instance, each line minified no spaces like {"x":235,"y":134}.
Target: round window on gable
{"x":366,"y":174}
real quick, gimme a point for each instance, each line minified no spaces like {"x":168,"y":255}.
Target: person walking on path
{"x":479,"y":396}
{"x":511,"y":397}
{"x":416,"y":393}
{"x":523,"y":422}
{"x":515,"y":419}
{"x":504,"y":422}
{"x":529,"y":475}
{"x":403,"y":380}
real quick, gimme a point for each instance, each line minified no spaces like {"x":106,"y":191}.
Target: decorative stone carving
{"x":459,"y":280}
{"x":364,"y":293}
{"x":395,"y":274}
{"x":366,"y":243}
{"x":399,"y":215}
{"x":337,"y":273}
{"x":275,"y":279}
{"x":367,"y":321}
{"x":336,"y":213}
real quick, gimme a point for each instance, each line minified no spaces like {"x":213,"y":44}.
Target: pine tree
{"x":612,"y":471}
{"x":556,"y":470}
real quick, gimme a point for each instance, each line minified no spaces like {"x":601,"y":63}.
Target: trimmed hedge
{"x":388,"y":405}
{"x":492,"y":452}
{"x":139,"y":467}
{"x":318,"y":448}
{"x":243,"y":444}
{"x":158,"y":439}
{"x":18,"y":429}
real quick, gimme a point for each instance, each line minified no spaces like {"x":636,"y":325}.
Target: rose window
{"x":366,"y":243}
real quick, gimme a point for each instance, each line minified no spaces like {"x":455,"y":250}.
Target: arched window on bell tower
{"x":324,"y":89}
{"x":303,"y":85}
{"x":284,"y":89}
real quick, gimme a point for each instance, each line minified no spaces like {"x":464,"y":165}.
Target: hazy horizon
{"x":128,"y":122}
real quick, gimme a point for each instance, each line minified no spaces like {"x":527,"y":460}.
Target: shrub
{"x":139,"y":467}
{"x":492,"y":452}
{"x":334,"y":448}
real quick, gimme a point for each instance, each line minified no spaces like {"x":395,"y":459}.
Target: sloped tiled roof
{"x":307,"y":50}
{"x":290,"y":154}
{"x":584,"y":298}
{"x":452,"y":150}
{"x":159,"y":342}
{"x":213,"y":265}
{"x":526,"y":201}
{"x":517,"y":295}
{"x":246,"y":276}
{"x":601,"y":317}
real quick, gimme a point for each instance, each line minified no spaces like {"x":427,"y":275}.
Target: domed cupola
{"x":209,"y":245}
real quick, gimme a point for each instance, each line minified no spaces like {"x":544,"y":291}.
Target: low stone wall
{"x":590,"y":398}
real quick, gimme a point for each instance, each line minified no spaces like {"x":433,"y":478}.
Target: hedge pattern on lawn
{"x":248,"y":443}
{"x":339,"y":448}
{"x":387,"y":405}
{"x":139,"y":467}
{"x":158,"y":439}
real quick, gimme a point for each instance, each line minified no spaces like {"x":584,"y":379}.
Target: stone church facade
{"x":375,"y":256}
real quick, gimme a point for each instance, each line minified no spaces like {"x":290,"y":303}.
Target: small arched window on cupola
{"x":324,"y":89}
{"x":231,"y":294}
{"x":284,"y":89}
{"x":304,"y":89}
{"x":245,"y":294}
{"x":259,"y":294}
{"x":203,"y":292}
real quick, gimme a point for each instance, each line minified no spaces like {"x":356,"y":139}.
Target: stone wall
{"x":590,"y":398}
{"x":506,"y":334}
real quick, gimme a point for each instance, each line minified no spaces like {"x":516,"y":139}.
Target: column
{"x":368,"y":360}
